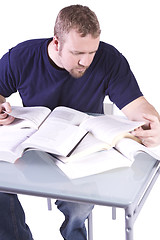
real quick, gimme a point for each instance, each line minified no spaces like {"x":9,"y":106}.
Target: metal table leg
{"x":90,"y":227}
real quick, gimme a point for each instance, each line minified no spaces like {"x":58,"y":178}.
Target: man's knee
{"x":74,"y":210}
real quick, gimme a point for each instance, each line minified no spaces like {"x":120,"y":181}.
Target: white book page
{"x":56,"y":137}
{"x":69,"y":115}
{"x":94,"y":163}
{"x":155,"y":151}
{"x":11,"y":142}
{"x":87,"y":146}
{"x":107,"y":127}
{"x":28,"y":116}
{"x":130,"y":148}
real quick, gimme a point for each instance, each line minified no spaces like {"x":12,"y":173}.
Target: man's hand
{"x":150,"y":133}
{"x":5,"y":109}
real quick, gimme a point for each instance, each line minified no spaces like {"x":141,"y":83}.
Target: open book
{"x":67,"y":133}
{"x":122,"y":155}
{"x":28,"y":117}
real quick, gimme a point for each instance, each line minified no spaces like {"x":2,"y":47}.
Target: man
{"x":72,"y":69}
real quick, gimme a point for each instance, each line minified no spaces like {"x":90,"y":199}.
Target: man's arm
{"x":5,"y":108}
{"x":141,"y":109}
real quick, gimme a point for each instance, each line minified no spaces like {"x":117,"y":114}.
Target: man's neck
{"x":53,"y":55}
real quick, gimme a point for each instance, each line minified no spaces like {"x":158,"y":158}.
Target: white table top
{"x":36,"y":174}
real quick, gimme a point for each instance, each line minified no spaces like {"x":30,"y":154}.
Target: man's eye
{"x":78,"y":53}
{"x":82,"y":53}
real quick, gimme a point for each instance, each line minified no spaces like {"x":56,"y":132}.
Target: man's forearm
{"x":136,"y":109}
{"x":141,"y":109}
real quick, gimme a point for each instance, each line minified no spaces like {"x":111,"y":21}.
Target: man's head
{"x":79,"y":18}
{"x":76,"y":39}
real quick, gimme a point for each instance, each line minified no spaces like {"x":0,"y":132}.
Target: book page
{"x":130,"y":148}
{"x":107,"y":128}
{"x":10,"y":143}
{"x":69,"y":115}
{"x":28,"y":116}
{"x":155,"y":151}
{"x":87,"y":146}
{"x":94,"y":164}
{"x":56,"y":137}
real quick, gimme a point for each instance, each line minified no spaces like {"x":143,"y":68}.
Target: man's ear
{"x":56,"y":43}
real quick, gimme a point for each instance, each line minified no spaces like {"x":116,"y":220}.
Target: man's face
{"x":77,"y":53}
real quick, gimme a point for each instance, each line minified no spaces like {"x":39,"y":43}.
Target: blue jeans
{"x":13,"y":226}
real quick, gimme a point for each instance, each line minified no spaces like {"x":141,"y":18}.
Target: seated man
{"x":74,"y":69}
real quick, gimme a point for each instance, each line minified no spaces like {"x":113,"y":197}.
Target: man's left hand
{"x":149,"y":134}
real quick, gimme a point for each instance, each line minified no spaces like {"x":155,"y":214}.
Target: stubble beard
{"x":77,"y":73}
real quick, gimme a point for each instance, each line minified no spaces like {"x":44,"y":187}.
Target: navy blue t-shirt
{"x":27,"y":68}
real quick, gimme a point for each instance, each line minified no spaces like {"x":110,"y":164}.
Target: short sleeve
{"x":122,"y":86}
{"x":7,"y":81}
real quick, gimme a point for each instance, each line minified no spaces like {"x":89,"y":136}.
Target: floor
{"x":45,"y":224}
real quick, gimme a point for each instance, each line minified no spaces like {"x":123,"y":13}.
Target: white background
{"x":132,"y":26}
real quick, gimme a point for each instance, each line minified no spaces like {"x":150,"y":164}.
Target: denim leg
{"x":12,"y":219}
{"x":75,"y":215}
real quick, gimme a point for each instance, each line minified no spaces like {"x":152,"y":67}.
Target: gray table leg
{"x":90,"y":227}
{"x":113,"y":213}
{"x":49,"y":204}
{"x":133,"y":210}
{"x":129,"y":222}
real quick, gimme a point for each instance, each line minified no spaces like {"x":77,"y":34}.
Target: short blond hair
{"x":77,"y":17}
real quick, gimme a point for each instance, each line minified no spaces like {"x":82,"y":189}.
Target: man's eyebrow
{"x":79,"y":52}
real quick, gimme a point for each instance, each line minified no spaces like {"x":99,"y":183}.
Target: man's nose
{"x":85,"y":60}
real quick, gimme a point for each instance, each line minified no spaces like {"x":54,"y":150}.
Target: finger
{"x":145,"y":133}
{"x":7,"y":121}
{"x":3,"y":115}
{"x":141,"y":133}
{"x":6,"y":107}
{"x":148,"y":137}
{"x":152,"y":131}
{"x":149,"y":142}
{"x":152,"y":119}
{"x":152,"y":122}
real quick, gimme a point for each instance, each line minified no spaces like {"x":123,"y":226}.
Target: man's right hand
{"x":5,"y":118}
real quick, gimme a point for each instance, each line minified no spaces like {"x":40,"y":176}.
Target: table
{"x":36,"y":174}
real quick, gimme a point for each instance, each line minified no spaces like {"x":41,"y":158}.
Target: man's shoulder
{"x":29,"y":45}
{"x":107,"y":54}
{"x":28,"y":50}
{"x":109,"y":49}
